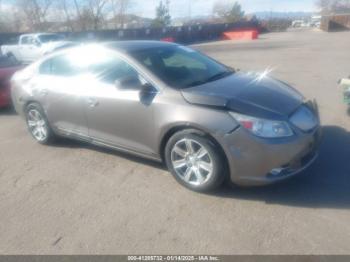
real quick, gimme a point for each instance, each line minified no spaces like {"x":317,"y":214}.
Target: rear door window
{"x":45,"y":68}
{"x":59,"y":65}
{"x":102,"y":64}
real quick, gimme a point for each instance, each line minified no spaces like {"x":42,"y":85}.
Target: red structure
{"x":250,"y":34}
{"x":168,"y":39}
{"x":6,"y":72}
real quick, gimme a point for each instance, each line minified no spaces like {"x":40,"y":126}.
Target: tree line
{"x":83,"y":15}
{"x":75,"y":15}
{"x":333,"y":6}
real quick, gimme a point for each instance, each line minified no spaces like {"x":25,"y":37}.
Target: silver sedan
{"x":170,"y":103}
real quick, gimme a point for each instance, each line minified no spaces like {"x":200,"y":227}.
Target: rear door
{"x":59,"y":87}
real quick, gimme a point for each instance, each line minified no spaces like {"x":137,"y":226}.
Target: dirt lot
{"x":73,"y":198}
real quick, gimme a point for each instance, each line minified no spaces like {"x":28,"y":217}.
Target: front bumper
{"x":254,"y":161}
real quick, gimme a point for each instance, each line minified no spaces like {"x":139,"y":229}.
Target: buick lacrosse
{"x":170,"y":103}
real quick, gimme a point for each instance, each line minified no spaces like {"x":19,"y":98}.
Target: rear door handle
{"x":92,"y":102}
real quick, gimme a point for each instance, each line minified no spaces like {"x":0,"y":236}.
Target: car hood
{"x":247,"y":93}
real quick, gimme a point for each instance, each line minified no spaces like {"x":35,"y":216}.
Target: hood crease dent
{"x":242,"y":93}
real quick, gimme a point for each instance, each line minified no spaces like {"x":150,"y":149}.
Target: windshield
{"x":50,"y":38}
{"x":181,"y":67}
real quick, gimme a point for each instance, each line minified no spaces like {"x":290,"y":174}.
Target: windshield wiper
{"x":196,"y":83}
{"x":218,"y":76}
{"x":210,"y":79}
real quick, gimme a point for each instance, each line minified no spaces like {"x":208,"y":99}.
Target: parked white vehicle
{"x":300,"y":24}
{"x":30,"y":47}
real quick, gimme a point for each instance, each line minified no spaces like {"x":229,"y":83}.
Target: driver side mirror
{"x":134,"y":82}
{"x":147,"y":91}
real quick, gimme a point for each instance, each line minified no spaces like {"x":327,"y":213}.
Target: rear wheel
{"x":38,"y":125}
{"x":195,"y":161}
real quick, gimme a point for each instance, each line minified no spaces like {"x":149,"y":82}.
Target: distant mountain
{"x":290,"y":15}
{"x":179,"y":21}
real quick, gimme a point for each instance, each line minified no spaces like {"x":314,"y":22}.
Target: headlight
{"x":263,"y":127}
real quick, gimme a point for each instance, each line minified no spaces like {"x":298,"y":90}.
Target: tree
{"x":96,"y":11}
{"x":75,"y":14}
{"x":84,"y":15}
{"x":163,"y":17}
{"x":35,"y":12}
{"x":227,"y":11}
{"x":66,"y":9}
{"x":120,"y":8}
{"x":333,"y":6}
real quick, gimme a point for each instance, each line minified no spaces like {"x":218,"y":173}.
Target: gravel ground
{"x":73,"y":198}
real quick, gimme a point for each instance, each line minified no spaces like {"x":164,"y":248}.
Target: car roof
{"x":121,"y":46}
{"x":137,"y":45}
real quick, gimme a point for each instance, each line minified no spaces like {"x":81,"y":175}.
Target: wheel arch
{"x":196,"y":130}
{"x":28,"y":102}
{"x":33,"y":101}
{"x":10,"y":53}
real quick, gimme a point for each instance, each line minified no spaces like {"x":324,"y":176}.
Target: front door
{"x":119,"y":115}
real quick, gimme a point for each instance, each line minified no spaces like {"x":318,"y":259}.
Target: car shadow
{"x":326,"y":184}
{"x":8,"y":111}
{"x":70,"y":143}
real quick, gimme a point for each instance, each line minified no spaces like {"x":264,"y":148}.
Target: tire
{"x":13,"y":58}
{"x":201,"y":169}
{"x":37,"y":124}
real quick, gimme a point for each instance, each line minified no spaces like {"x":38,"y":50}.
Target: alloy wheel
{"x":192,"y":162}
{"x":37,"y":125}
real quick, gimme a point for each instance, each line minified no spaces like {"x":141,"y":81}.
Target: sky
{"x":182,"y":8}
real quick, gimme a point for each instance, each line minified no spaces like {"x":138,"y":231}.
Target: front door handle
{"x":92,"y":102}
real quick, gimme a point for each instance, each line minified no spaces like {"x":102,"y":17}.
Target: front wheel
{"x":195,"y":161}
{"x":12,"y":58}
{"x":38,"y":125}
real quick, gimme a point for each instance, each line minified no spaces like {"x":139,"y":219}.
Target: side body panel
{"x":62,"y":101}
{"x":120,"y":118}
{"x":172,"y":111}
